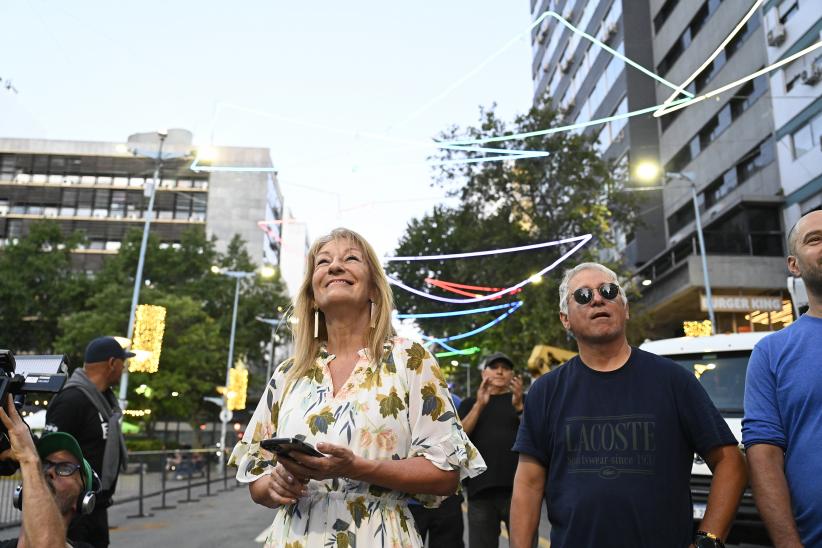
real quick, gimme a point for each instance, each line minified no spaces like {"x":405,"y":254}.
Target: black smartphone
{"x":284,"y":446}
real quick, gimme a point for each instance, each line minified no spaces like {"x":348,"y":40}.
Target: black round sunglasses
{"x":585,"y":295}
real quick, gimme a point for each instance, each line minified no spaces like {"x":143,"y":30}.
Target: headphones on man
{"x":86,"y":500}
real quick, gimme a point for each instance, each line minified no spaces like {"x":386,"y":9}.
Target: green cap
{"x":61,"y":441}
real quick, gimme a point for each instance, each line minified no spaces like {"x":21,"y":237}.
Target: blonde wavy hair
{"x":306,"y":347}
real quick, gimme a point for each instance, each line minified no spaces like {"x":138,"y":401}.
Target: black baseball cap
{"x":497,"y":357}
{"x":103,"y":348}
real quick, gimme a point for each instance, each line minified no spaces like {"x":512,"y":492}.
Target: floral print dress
{"x":397,"y":410}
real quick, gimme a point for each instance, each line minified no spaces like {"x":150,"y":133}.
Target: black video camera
{"x":24,"y":374}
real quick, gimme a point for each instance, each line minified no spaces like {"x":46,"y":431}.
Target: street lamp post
{"x":648,"y":171}
{"x":225,"y":414}
{"x":139,"y":149}
{"x":698,"y":220}
{"x":275,"y":324}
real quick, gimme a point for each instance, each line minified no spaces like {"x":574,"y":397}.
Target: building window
{"x":807,"y":137}
{"x":787,"y":10}
{"x":663,"y":13}
{"x":698,"y":21}
{"x":713,"y":128}
{"x":750,"y":164}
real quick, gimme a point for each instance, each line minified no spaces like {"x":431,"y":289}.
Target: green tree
{"x":37,"y":286}
{"x":570,"y":192}
{"x":198,"y":319}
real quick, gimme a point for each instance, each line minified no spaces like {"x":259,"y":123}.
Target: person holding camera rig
{"x":53,"y":493}
{"x":88,"y":410}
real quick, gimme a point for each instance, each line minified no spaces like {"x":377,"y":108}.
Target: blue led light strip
{"x":456,"y":312}
{"x":492,"y":323}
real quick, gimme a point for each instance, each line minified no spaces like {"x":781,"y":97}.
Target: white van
{"x":720,"y":363}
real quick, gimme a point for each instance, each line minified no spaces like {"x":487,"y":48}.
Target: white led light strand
{"x":681,"y":87}
{"x":581,"y":241}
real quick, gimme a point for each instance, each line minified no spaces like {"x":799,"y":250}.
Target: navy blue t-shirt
{"x":618,"y":447}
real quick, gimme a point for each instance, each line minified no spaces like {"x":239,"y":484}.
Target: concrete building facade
{"x":98,"y":188}
{"x":586,"y":82}
{"x":796,"y":94}
{"x":725,"y":148}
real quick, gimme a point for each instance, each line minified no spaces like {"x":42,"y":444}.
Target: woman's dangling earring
{"x":373,"y":315}
{"x":316,"y":323}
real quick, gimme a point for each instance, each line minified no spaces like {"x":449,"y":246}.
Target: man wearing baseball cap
{"x":491,"y":420}
{"x":56,"y":483}
{"x":88,"y":410}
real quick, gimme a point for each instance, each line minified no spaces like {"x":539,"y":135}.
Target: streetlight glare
{"x":205,"y":153}
{"x":535,"y":279}
{"x":647,"y":171}
{"x":216,"y":269}
{"x":267,"y":272}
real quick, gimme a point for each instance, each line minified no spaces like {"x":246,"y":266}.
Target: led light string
{"x":438,"y":340}
{"x":458,"y":288}
{"x":465,"y":352}
{"x":580,"y":241}
{"x":455,"y":312}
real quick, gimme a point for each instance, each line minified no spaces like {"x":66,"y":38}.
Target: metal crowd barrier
{"x":167,"y":477}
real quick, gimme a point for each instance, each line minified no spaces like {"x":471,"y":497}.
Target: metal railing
{"x":163,"y":476}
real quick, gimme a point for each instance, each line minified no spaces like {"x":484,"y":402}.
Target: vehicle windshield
{"x":722,"y":375}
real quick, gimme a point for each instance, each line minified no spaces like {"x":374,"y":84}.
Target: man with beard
{"x":783,"y":407}
{"x":53,"y":488}
{"x":608,"y":438}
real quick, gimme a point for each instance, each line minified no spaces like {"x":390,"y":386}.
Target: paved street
{"x":230,"y":519}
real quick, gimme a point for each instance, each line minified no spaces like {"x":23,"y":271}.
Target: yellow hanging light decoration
{"x":697,"y":329}
{"x":149,"y":326}
{"x":237,"y":387}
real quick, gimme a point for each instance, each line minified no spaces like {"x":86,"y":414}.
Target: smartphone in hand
{"x":283,"y":446}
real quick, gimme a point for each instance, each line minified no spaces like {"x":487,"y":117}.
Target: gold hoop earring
{"x":316,"y":323}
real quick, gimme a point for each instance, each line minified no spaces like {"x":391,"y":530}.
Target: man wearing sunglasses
{"x":609,"y":437}
{"x":55,"y":478}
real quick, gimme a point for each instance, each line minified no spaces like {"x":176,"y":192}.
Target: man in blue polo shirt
{"x":782,"y":428}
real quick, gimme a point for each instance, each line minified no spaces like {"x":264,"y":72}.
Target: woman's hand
{"x":339,"y":462}
{"x":278,"y":488}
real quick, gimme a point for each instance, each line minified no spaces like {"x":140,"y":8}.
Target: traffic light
{"x":237,"y":386}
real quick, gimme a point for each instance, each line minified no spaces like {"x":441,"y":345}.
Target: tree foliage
{"x":38,"y":286}
{"x":46,"y":307}
{"x":570,"y":192}
{"x":199,"y":306}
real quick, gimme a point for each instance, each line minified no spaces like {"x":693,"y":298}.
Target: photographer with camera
{"x":88,"y":410}
{"x":52,"y":491}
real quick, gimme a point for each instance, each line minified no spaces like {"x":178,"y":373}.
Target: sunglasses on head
{"x":585,"y":295}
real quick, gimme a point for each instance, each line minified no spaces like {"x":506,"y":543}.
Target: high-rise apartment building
{"x":796,"y":94}
{"x":98,"y":188}
{"x":586,"y":82}
{"x":725,"y":148}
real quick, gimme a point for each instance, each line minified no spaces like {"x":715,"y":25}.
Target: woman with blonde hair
{"x":376,"y":405}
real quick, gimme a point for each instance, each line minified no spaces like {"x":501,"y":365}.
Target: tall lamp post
{"x":143,"y":145}
{"x":649,"y":171}
{"x":275,"y":324}
{"x":238,"y":275}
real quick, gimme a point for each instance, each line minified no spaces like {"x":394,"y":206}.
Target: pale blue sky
{"x":100,"y":70}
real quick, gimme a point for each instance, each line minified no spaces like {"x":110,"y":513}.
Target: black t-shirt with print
{"x":493,"y":436}
{"x":618,"y":448}
{"x":72,"y":412}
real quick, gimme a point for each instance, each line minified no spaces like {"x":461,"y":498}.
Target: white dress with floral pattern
{"x":398,"y":410}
